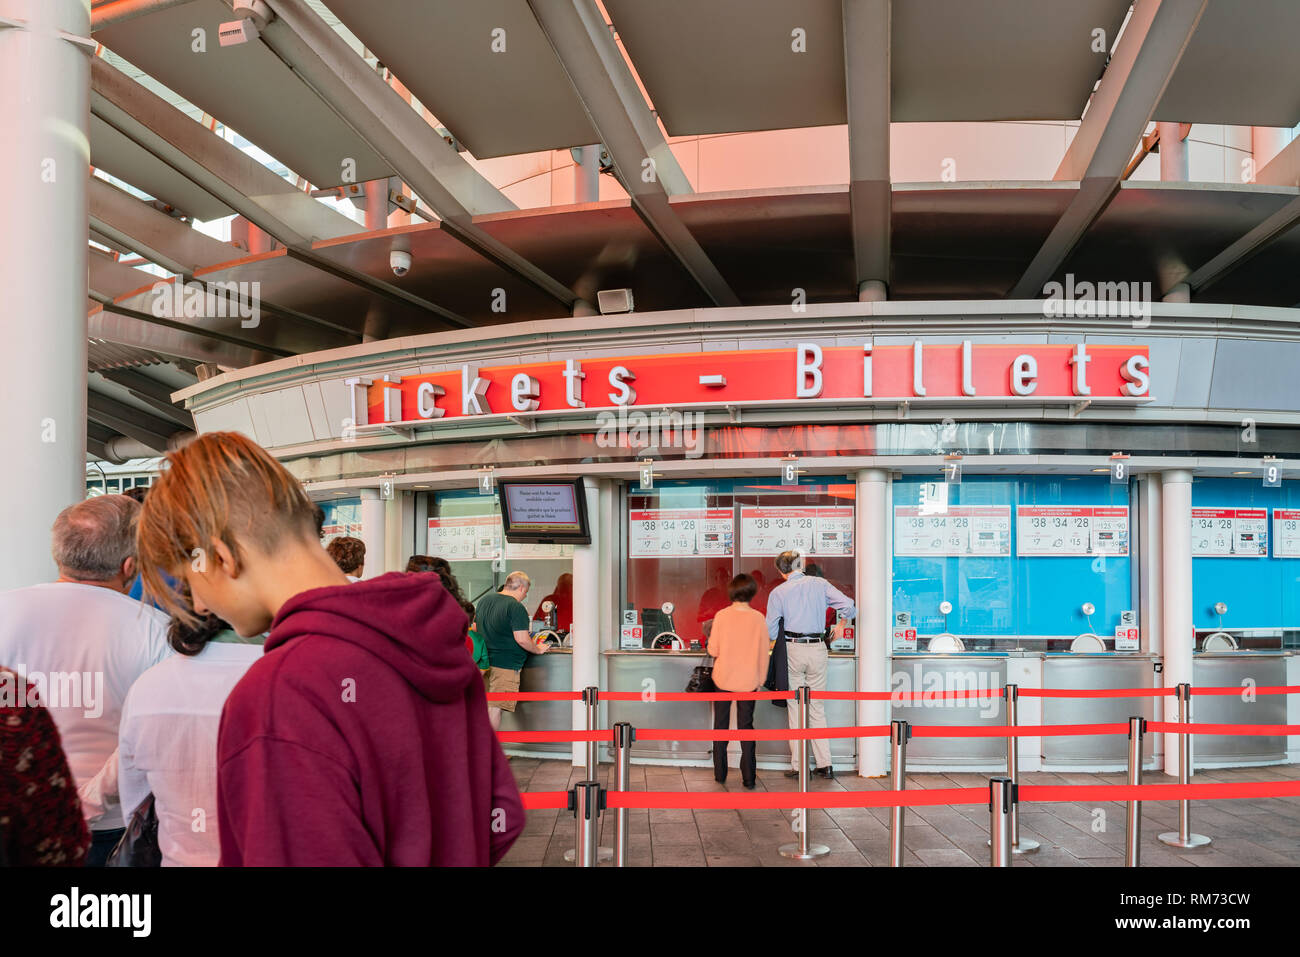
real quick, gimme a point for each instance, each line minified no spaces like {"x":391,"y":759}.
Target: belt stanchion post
{"x":1133,"y":833}
{"x":1002,"y":804}
{"x":1184,"y":837}
{"x":803,"y":851}
{"x":586,"y":800}
{"x":1012,"y":695}
{"x":624,"y":735}
{"x":899,"y":733}
{"x":591,"y":698}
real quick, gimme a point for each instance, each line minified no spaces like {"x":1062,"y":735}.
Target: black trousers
{"x":744,"y":722}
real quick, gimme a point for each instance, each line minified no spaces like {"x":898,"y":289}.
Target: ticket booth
{"x":684,"y":542}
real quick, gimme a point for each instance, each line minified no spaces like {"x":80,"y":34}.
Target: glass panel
{"x":687,"y":540}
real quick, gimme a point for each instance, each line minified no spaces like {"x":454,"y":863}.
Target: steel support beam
{"x":867,"y":89}
{"x":1282,"y":170}
{"x":280,"y":209}
{"x":137,"y":226}
{"x":152,"y":393}
{"x":642,"y":160}
{"x":131,"y":422}
{"x":119,"y":11}
{"x":377,"y":113}
{"x":1117,"y":115}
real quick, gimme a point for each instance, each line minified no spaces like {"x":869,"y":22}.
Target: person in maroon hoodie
{"x":361,"y":736}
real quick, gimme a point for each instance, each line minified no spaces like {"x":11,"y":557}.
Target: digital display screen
{"x":544,"y":511}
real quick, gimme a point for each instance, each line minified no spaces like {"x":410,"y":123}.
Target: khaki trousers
{"x":807,"y":665}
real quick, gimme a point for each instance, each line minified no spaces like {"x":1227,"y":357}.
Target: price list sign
{"x":680,"y":533}
{"x":1230,"y":532}
{"x":961,"y":531}
{"x":1072,"y":530}
{"x":1286,"y":533}
{"x":824,"y":531}
{"x":465,"y":538}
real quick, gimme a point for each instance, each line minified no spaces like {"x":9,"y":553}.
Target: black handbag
{"x":139,"y":845}
{"x":701,"y":680}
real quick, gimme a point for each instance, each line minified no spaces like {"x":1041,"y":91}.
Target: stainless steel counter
{"x":670,"y":670}
{"x":1231,"y":669}
{"x":970,"y":671}
{"x":552,"y":671}
{"x":1094,"y":672}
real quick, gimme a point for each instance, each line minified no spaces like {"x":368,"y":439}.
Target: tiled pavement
{"x":1245,"y":832}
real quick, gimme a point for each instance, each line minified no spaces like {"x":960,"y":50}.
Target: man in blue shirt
{"x":801,"y":600}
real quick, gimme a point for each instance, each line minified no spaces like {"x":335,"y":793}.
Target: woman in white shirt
{"x":168,"y":737}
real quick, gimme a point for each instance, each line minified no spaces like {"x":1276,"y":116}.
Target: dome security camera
{"x":400,"y":261}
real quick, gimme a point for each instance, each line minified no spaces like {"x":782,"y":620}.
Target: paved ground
{"x":1245,"y":833}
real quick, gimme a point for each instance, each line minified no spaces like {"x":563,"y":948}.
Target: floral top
{"x":41,"y":822}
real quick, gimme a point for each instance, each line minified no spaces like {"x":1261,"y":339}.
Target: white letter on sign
{"x":525,"y":393}
{"x":808,"y":362}
{"x":573,"y":376}
{"x":1024,"y":375}
{"x":473,"y":392}
{"x":1137,"y":382}
{"x":918,"y":359}
{"x":1080,"y":360}
{"x":426,"y":397}
{"x":619,"y":378}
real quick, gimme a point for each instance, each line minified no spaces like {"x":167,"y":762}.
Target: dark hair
{"x":348,"y":553}
{"x":788,"y":561}
{"x":742,"y":588}
{"x":318,"y":514}
{"x":428,"y":563}
{"x":190,"y":640}
{"x":137,"y":492}
{"x":813,"y":570}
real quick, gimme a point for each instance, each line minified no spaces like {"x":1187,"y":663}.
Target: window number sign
{"x":386,"y":489}
{"x":790,"y":471}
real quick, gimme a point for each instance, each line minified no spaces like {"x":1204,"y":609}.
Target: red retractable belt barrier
{"x":933,"y":797}
{"x":1097,"y":692}
{"x":649,"y":697}
{"x":762,"y":734}
{"x":903,"y":695}
{"x":1017,"y":731}
{"x":795,"y":799}
{"x":1174,"y":727}
{"x":1049,"y":793}
{"x":1270,"y":689}
{"x":535,"y":696}
{"x":545,"y":800}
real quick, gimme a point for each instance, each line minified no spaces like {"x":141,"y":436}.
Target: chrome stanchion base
{"x":602,"y":854}
{"x":1026,"y":846}
{"x":795,"y":851}
{"x":1173,"y":839}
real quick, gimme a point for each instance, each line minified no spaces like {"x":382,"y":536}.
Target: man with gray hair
{"x":503,"y":621}
{"x":83,"y":643}
{"x":796,"y":612}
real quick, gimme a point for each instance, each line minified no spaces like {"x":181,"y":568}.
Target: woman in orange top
{"x":739,"y":644}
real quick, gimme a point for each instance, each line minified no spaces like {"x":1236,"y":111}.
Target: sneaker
{"x":749,"y":785}
{"x":826,"y":772}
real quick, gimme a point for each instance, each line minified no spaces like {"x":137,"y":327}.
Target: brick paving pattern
{"x":1245,"y":832}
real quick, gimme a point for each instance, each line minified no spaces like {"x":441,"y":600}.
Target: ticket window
{"x":1245,"y":564}
{"x":342,"y":518}
{"x":1032,"y":562}
{"x":687,"y":540}
{"x":465,"y":529}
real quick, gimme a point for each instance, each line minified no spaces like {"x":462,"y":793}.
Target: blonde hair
{"x":223,"y":487}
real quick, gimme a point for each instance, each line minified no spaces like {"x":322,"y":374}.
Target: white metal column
{"x":1176,"y":593}
{"x":874,"y":574}
{"x":585,"y":630}
{"x":373,"y":531}
{"x":45,"y":76}
{"x":394,"y":526}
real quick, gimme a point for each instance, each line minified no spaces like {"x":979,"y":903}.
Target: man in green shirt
{"x":503,"y":621}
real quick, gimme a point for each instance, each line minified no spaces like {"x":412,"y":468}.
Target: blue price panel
{"x":1262,"y":592}
{"x":999,"y":596}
